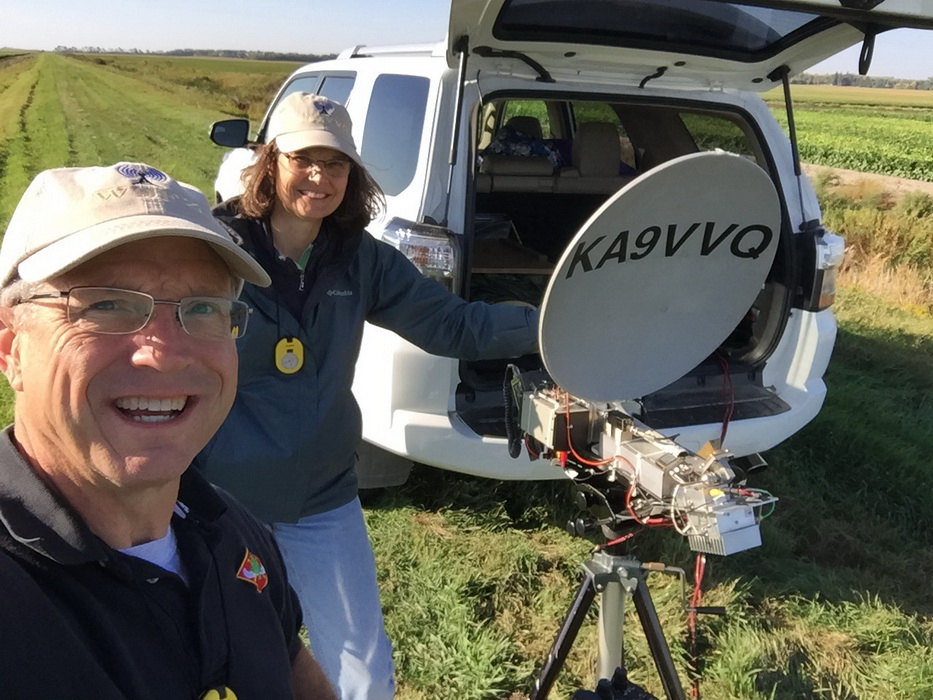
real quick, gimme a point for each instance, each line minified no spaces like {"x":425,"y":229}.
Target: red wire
{"x":578,"y":457}
{"x":618,"y":540}
{"x":699,"y":568}
{"x":650,"y":522}
{"x":531,"y":450}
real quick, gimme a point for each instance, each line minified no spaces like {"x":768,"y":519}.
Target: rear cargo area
{"x":543,"y":167}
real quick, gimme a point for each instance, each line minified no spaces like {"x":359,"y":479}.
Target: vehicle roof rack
{"x":361,"y":50}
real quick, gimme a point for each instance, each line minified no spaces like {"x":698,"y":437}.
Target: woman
{"x":287,"y":450}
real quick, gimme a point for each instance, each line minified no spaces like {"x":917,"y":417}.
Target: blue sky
{"x":313,"y":26}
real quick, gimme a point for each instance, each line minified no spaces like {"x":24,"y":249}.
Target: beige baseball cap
{"x":304,"y":120}
{"x":70,"y":215}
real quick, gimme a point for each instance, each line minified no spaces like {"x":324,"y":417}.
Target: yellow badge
{"x":289,"y":355}
{"x":218,"y":694}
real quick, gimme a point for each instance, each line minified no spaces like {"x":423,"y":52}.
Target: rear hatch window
{"x":705,"y":27}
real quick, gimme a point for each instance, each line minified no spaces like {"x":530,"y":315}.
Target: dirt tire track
{"x":897,"y":187}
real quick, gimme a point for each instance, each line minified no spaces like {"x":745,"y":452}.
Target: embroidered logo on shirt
{"x":252,"y":571}
{"x":339,"y":293}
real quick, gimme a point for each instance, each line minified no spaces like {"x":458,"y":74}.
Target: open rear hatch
{"x":659,"y":306}
{"x":679,"y":42}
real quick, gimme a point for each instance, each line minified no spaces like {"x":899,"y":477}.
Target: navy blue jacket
{"x":81,"y":620}
{"x":288,"y":448}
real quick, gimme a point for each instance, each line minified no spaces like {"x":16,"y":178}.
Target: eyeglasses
{"x":121,"y":311}
{"x":334,"y":167}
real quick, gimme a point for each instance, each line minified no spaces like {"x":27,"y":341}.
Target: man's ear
{"x":9,"y":348}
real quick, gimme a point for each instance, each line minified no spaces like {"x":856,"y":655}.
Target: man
{"x":123,"y":574}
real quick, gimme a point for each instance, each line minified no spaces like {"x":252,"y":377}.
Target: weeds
{"x":889,"y":241}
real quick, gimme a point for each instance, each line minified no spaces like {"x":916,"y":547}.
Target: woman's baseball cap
{"x":305,"y":120}
{"x":70,"y":215}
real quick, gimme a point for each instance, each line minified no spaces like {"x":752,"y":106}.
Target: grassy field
{"x":476,"y":575}
{"x":60,"y":111}
{"x":237,"y":87}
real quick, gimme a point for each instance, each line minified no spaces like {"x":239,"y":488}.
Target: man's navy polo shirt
{"x":79,"y":619}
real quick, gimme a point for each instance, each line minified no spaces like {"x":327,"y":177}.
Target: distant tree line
{"x":851,"y":79}
{"x":217,"y":53}
{"x":803,"y":79}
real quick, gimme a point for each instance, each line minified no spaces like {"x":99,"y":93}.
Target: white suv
{"x":495,"y":148}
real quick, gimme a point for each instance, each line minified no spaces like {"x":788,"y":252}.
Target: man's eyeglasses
{"x":120,"y":311}
{"x":334,"y":167}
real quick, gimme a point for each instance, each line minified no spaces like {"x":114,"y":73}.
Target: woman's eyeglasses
{"x":334,"y":167}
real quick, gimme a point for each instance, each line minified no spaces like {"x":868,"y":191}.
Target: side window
{"x":710,"y":132}
{"x":337,"y":87}
{"x":603,"y":112}
{"x":392,"y":133}
{"x":303,"y":83}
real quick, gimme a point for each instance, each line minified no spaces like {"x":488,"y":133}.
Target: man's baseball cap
{"x":305,"y":120}
{"x":70,"y":215}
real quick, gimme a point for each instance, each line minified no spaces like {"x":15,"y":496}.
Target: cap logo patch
{"x":252,"y":571}
{"x":141,"y":174}
{"x":324,"y":107}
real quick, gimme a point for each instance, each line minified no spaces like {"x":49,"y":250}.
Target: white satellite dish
{"x":659,"y":276}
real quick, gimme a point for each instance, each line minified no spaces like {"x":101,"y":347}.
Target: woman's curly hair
{"x":361,"y":204}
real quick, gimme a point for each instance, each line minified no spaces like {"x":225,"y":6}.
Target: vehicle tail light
{"x":830,"y":251}
{"x":434,"y":250}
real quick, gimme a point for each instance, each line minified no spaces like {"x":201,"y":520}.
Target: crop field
{"x":888,"y":132}
{"x":476,"y":575}
{"x":811,"y":96}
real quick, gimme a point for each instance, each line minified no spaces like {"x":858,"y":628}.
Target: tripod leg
{"x":611,"y":621}
{"x":568,"y":632}
{"x":660,"y":651}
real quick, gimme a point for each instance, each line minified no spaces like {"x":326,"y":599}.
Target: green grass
{"x":19,"y":83}
{"x":834,"y":605}
{"x":476,"y":574}
{"x":62,"y":111}
{"x":233,"y":86}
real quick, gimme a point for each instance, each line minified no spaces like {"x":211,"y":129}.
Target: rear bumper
{"x":441,"y":439}
{"x":447,"y":443}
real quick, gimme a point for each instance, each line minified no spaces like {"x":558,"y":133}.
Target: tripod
{"x":614,"y":578}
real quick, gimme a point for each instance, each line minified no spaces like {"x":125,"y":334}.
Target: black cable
{"x":512,"y":429}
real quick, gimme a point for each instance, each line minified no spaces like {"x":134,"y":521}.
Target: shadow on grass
{"x":855,"y":485}
{"x":496,"y":504}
